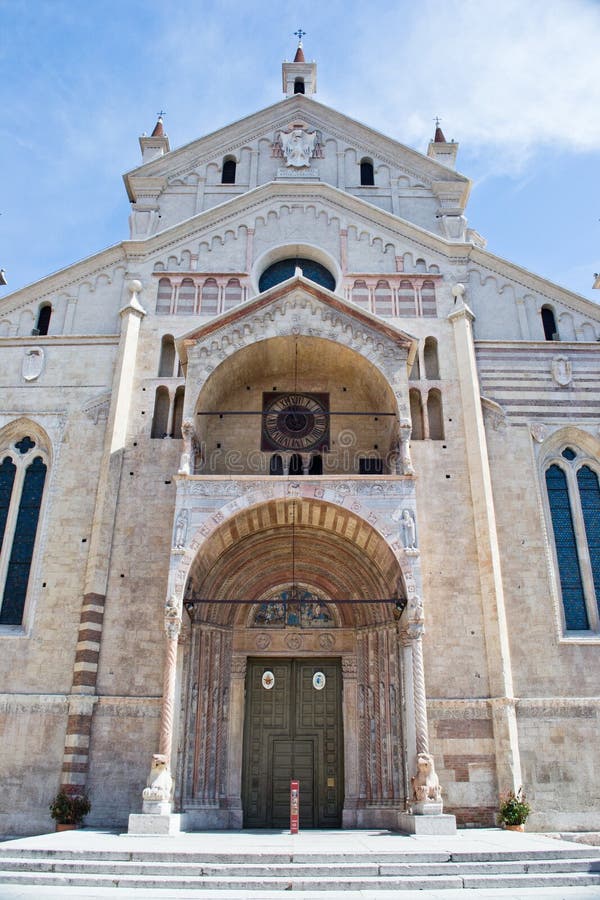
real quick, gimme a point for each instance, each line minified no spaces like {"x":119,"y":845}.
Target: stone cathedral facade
{"x":299,"y":480}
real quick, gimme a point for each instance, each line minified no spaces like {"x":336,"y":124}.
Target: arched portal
{"x":256,"y":713}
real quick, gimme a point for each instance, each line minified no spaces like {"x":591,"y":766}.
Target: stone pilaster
{"x":85,"y":670}
{"x":488,"y":551}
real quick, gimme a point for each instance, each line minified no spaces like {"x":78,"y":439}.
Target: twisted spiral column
{"x":168,"y":697}
{"x":420,"y":698}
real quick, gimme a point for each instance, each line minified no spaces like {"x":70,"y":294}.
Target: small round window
{"x":285,"y":268}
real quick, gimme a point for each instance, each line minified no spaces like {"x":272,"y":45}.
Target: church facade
{"x":299,"y":481}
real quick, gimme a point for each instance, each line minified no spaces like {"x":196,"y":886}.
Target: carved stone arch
{"x":483,"y":279}
{"x":22,"y":427}
{"x":570,"y":435}
{"x":382,"y":525}
{"x":283,"y":251}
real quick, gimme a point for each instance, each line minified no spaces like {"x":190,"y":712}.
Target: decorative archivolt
{"x":383,"y":525}
{"x":281,"y":319}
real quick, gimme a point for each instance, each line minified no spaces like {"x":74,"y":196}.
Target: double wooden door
{"x":293,"y":731}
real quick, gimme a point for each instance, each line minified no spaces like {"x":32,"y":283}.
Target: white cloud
{"x":506,"y":77}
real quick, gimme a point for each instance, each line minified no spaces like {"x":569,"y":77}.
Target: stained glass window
{"x":285,"y":268}
{"x":7,"y":479}
{"x":19,"y":565}
{"x":589,"y":495}
{"x":576,"y":618}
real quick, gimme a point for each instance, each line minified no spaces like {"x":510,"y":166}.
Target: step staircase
{"x":299,"y":870}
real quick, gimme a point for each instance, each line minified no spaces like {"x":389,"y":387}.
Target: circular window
{"x":285,"y":268}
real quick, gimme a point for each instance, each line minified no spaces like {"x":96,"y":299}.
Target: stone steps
{"x":300,"y":871}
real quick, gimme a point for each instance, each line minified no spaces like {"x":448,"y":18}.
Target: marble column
{"x":157,"y":816}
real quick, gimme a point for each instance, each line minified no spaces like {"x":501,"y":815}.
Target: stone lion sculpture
{"x":425,"y":783}
{"x":160,"y":784}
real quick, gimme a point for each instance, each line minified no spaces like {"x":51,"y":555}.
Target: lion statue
{"x":425,"y":783}
{"x":160,"y":784}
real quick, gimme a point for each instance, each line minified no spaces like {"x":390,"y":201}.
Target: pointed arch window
{"x":23,"y":472}
{"x":573,"y":491}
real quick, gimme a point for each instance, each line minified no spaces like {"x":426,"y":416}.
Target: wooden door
{"x":293,"y":731}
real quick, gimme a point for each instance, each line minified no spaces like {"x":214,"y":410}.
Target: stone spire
{"x":299,"y":77}
{"x":157,"y":144}
{"x":441,"y":150}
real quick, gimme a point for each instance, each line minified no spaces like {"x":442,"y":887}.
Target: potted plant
{"x":69,"y":810}
{"x":513,"y":810}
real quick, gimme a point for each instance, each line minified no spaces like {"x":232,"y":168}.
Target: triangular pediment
{"x":179,"y":164}
{"x":302,"y":307}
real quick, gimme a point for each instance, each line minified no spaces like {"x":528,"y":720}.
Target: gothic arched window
{"x":23,"y":469}
{"x":573,"y":490}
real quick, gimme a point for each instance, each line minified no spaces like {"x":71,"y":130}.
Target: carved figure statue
{"x":181,"y":526}
{"x":406,"y":466}
{"x":425,"y":783}
{"x":160,"y":784}
{"x":188,"y":461}
{"x":409,"y":533}
{"x":298,"y":147}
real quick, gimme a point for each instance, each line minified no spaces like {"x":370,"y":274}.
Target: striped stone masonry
{"x":85,"y":672}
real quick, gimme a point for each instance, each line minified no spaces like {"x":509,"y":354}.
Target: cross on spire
{"x":299,"y":34}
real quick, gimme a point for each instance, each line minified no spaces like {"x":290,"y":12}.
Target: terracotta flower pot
{"x":514,"y":828}
{"x":61,"y":826}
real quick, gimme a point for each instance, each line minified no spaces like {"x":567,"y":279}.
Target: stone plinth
{"x":420,"y":824}
{"x":149,"y":823}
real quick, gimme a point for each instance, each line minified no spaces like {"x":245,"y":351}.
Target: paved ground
{"x":10,"y":892}
{"x":480,"y":840}
{"x":267,"y":842}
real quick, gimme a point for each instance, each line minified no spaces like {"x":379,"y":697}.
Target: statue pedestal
{"x":154,"y":823}
{"x":427,"y":821}
{"x":156,"y":818}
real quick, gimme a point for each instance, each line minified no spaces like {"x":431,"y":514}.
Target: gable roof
{"x":182,"y":160}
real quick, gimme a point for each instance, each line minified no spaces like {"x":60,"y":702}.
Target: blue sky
{"x":516,"y":84}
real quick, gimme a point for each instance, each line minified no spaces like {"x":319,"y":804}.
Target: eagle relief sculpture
{"x":298,"y":146}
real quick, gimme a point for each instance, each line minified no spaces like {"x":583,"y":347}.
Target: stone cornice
{"x":532,"y":282}
{"x":59,"y":281}
{"x":59,"y":340}
{"x":325,"y":194}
